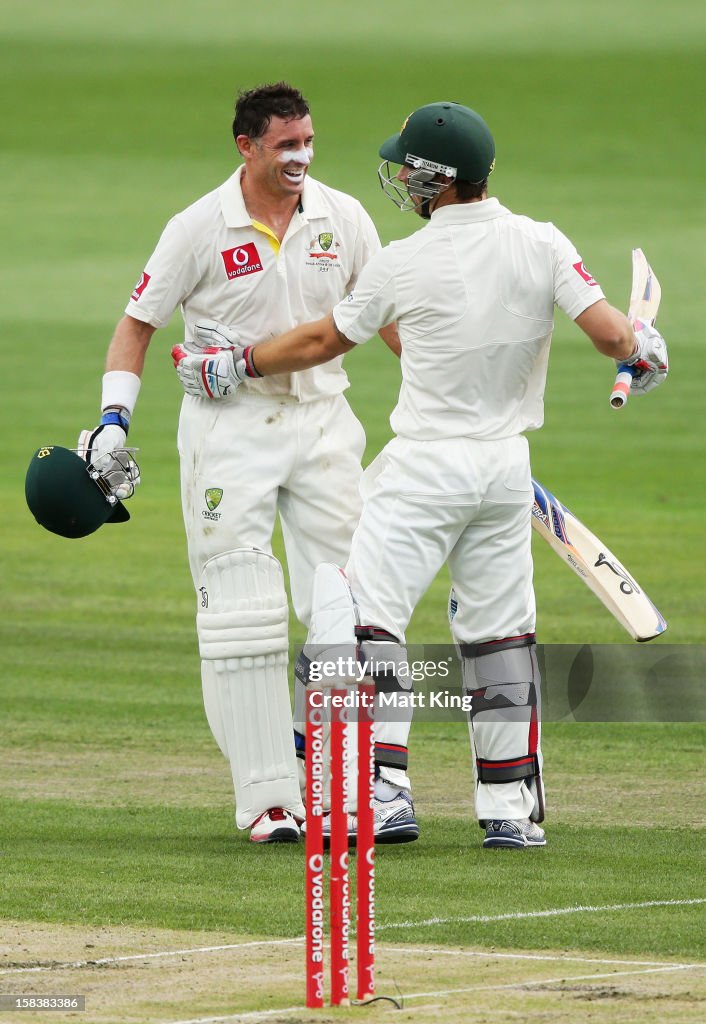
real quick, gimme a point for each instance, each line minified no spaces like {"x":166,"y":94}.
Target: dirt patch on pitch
{"x":147,"y":976}
{"x":119,"y":778}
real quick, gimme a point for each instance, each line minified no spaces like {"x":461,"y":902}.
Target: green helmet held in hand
{"x":67,"y":496}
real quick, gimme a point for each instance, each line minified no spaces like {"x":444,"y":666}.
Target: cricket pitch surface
{"x":149,"y":976}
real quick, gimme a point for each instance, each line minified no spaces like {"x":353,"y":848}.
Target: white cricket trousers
{"x":269,"y":455}
{"x":465,"y":502}
{"x":242,"y":462}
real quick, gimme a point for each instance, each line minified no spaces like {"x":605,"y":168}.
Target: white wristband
{"x":120,"y":387}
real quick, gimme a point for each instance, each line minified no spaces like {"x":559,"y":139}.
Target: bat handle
{"x":621,"y":387}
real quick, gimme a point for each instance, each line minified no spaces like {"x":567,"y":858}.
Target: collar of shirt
{"x":233,"y":205}
{"x":468,"y":213}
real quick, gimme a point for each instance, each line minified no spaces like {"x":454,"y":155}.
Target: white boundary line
{"x":556,"y":912}
{"x":264,"y":1014}
{"x":400,"y":925}
{"x":145,"y":956}
{"x":554,"y":958}
{"x":546,"y":981}
{"x":643,"y":966}
{"x":249,"y":1015}
{"x":299,"y":940}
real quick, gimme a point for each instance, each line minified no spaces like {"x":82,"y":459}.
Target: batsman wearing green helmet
{"x":473,"y":294}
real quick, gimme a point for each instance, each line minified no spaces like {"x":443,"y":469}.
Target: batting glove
{"x":216,"y":366}
{"x":649,"y":362}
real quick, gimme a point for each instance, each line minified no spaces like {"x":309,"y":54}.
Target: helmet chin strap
{"x":425,"y":208}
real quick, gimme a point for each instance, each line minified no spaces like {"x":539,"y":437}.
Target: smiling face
{"x":277,"y":162}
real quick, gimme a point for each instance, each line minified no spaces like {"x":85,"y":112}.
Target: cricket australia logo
{"x":319,"y":254}
{"x":213,"y":496}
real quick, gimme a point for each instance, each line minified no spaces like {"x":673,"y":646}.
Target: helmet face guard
{"x":421,"y":181}
{"x":115,"y":473}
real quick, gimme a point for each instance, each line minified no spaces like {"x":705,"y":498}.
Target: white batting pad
{"x":333,"y":611}
{"x":332,"y":637}
{"x":242,"y":625}
{"x":504,"y":733}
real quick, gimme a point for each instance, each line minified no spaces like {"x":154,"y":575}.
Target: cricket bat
{"x":597,"y":566}
{"x":645,"y":296}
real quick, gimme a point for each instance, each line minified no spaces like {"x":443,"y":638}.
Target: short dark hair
{"x":470,"y":189}
{"x":255,"y":108}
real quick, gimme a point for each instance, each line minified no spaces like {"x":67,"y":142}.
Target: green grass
{"x":116,"y":804}
{"x":178,"y":868}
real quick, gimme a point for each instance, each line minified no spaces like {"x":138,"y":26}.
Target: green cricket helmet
{"x":438,"y":139}
{"x":67,"y":496}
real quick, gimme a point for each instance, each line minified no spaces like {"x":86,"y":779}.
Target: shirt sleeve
{"x":575,"y":289}
{"x":170,"y":275}
{"x":371,"y":305}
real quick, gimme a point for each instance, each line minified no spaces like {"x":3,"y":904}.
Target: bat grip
{"x":621,"y":387}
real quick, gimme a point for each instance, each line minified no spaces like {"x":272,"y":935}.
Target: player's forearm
{"x":123,"y":366}
{"x":301,"y":348}
{"x":610,"y":330}
{"x":129,"y":345}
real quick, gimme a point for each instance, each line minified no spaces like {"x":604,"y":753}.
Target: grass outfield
{"x":116,"y":831}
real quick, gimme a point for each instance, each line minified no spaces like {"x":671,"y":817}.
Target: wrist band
{"x":119,"y":418}
{"x":120,"y":390}
{"x":250,"y":368}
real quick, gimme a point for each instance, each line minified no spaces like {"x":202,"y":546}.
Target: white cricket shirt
{"x":473,"y":294}
{"x":217,"y":264}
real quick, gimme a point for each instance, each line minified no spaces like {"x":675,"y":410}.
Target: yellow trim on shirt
{"x":271,"y":236}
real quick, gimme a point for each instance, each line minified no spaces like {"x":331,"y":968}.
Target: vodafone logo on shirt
{"x":585,"y":274}
{"x":244,"y":259}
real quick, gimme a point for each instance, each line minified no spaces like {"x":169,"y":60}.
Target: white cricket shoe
{"x":275,"y":826}
{"x":352,"y":821}
{"x":513,"y":834}
{"x":394,"y":822}
{"x":394,"y":819}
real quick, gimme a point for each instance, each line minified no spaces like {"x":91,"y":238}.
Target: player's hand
{"x":649,"y":362}
{"x":216,"y":365}
{"x":210,"y":373}
{"x":210,"y":334}
{"x":105,"y":449}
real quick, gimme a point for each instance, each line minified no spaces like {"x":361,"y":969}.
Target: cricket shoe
{"x":394,"y":819}
{"x":352,"y":822}
{"x":275,"y":826}
{"x":514,"y":834}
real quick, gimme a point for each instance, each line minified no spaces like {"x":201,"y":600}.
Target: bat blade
{"x":645,"y":297}
{"x":646,"y":291}
{"x":596,"y":565}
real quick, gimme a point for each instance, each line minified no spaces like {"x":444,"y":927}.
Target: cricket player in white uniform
{"x":268,"y":249}
{"x":473,"y":294}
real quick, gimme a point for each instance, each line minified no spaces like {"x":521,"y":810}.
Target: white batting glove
{"x":216,"y":365}
{"x":211,"y":334}
{"x":649,"y":362}
{"x":105,"y":449}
